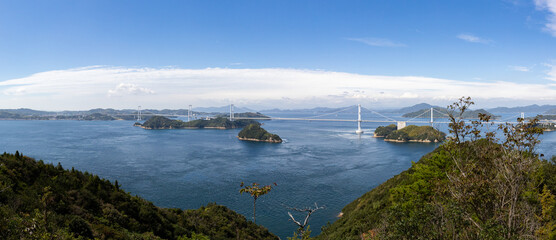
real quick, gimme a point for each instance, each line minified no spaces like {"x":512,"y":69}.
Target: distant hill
{"x":415,"y":108}
{"x":244,"y":115}
{"x":551,"y":111}
{"x":43,"y":201}
{"x":425,"y":113}
{"x":530,"y":108}
{"x":223,"y":109}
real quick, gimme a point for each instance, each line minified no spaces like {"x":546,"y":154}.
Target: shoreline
{"x":258,"y":140}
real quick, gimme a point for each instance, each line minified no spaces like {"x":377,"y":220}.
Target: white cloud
{"x":378,"y":42}
{"x":550,"y":6}
{"x":472,"y":38}
{"x":85,"y":88}
{"x":128,"y":88}
{"x":520,"y":68}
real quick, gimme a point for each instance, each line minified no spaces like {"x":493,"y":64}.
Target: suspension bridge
{"x":436,"y":117}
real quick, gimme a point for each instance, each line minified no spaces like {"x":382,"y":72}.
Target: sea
{"x":319,"y":163}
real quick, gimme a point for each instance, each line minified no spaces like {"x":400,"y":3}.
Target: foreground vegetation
{"x":160,"y":122}
{"x":42,"y":201}
{"x":254,"y":132}
{"x":475,"y":186}
{"x":410,"y":133}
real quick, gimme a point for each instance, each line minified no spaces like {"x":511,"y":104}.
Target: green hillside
{"x":475,"y":186}
{"x":254,"y":132}
{"x":410,"y":133}
{"x":42,"y":201}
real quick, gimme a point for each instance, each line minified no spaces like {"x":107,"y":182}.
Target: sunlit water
{"x":319,"y":162}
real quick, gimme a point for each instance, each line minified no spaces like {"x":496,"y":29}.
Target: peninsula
{"x":254,"y":132}
{"x":160,"y":122}
{"x":410,"y":133}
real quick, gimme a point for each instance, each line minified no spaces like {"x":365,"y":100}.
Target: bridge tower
{"x":432,"y":117}
{"x":189,"y":113}
{"x":139,"y":113}
{"x":231,"y":112}
{"x":359,"y":130}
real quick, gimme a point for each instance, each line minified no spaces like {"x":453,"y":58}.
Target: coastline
{"x":258,"y":140}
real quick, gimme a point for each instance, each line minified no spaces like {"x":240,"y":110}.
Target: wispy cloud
{"x":127,"y":88}
{"x":270,"y":87}
{"x":472,"y":38}
{"x":520,"y":68}
{"x":378,"y":42}
{"x":550,"y":6}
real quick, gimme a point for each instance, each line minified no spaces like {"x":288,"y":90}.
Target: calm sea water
{"x":319,"y":162}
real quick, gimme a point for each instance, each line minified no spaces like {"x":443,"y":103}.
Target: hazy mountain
{"x":308,"y":110}
{"x":414,"y":108}
{"x":530,"y":108}
{"x":551,"y":111}
{"x":223,"y":109}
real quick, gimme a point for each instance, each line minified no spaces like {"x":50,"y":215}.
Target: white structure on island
{"x":401,"y":124}
{"x":359,"y":130}
{"x":432,"y":117}
{"x":189,"y":114}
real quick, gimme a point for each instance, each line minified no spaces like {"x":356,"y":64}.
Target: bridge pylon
{"x":359,"y":130}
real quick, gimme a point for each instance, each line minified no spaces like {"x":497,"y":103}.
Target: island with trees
{"x":160,"y":122}
{"x":254,"y":132}
{"x":410,"y":133}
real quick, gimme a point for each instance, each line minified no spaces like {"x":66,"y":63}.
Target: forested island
{"x":254,"y":132}
{"x":410,"y":133}
{"x":160,"y":122}
{"x":43,"y":201}
{"x":443,"y":113}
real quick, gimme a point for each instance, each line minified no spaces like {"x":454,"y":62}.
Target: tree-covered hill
{"x":160,"y":122}
{"x":475,"y":186}
{"x":42,"y":201}
{"x":410,"y":133}
{"x":254,"y":132}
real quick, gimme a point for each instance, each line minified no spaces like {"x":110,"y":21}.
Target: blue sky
{"x":468,"y":42}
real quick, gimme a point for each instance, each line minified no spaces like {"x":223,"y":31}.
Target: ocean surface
{"x":319,"y":162}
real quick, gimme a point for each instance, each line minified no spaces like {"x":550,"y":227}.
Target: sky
{"x":77,"y":55}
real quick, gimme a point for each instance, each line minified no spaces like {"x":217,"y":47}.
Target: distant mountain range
{"x":223,"y":109}
{"x":128,"y":114}
{"x":415,"y":108}
{"x":531,"y":108}
{"x":546,"y":109}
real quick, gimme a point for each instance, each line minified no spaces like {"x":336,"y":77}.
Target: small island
{"x":411,"y":133}
{"x":160,"y":122}
{"x":254,"y":132}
